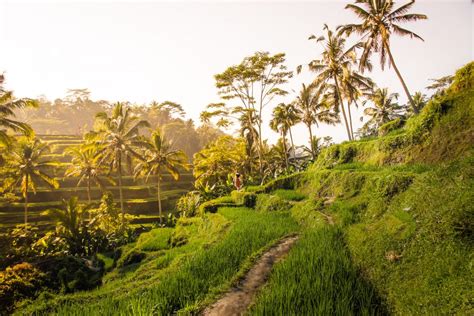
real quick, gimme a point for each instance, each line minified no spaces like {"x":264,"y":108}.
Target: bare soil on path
{"x":238,"y":299}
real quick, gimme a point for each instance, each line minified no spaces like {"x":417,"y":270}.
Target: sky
{"x":170,"y":50}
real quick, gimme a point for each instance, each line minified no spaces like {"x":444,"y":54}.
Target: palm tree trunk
{"x":283,"y":135}
{"x":26,"y":203}
{"x":292,"y":143}
{"x":311,"y":141}
{"x":159,"y":197}
{"x":120,"y":189}
{"x":89,"y":197}
{"x":342,"y":107}
{"x":392,"y":61}
{"x":350,"y":119}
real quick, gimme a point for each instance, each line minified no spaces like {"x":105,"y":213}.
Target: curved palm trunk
{"x":350,"y":119}
{"x":392,"y":61}
{"x":26,"y":202}
{"x":341,"y":103}
{"x":120,"y":189}
{"x":159,"y":197}
{"x":313,"y":153}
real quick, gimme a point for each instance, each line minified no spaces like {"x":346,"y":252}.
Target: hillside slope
{"x":404,"y":204}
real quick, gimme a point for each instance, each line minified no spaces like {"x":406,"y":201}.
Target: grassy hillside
{"x":168,"y":270}
{"x":385,"y":226}
{"x":402,"y":205}
{"x":140,"y":196}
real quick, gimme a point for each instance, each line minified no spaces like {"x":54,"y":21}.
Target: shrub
{"x":188,"y":204}
{"x":18,"y":282}
{"x":271,"y":203}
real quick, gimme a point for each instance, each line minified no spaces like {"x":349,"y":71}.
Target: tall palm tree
{"x":384,"y":109}
{"x":85,"y":166}
{"x":379,"y":20}
{"x":353,"y":87}
{"x":119,"y":137}
{"x":25,"y":169}
{"x":335,"y":60}
{"x":160,"y":157}
{"x":314,"y":107}
{"x":8,"y":105}
{"x":283,"y":118}
{"x":288,"y":116}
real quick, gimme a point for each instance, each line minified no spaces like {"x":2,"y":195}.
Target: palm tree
{"x":291,"y":116}
{"x":8,"y":105}
{"x":314,"y":108}
{"x":284,"y":117}
{"x":419,"y":102}
{"x":160,"y":157}
{"x":379,"y":21}
{"x":384,"y":109}
{"x":119,"y":137}
{"x":353,"y":86}
{"x":25,"y":168}
{"x":85,"y":166}
{"x":71,"y":218}
{"x":336,"y":60}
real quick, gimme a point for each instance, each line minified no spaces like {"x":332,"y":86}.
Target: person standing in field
{"x":238,"y":183}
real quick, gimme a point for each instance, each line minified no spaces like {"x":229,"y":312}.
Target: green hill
{"x":385,"y":225}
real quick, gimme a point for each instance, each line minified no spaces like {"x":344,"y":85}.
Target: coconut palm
{"x":8,"y":105}
{"x":119,"y":138}
{"x":287,"y":115}
{"x":353,"y":86}
{"x":283,"y":118}
{"x":85,"y":166}
{"x":160,"y":157}
{"x":384,"y":109}
{"x":314,"y":107}
{"x":25,"y":169}
{"x":335,"y":60}
{"x":379,"y":20}
{"x":419,"y":102}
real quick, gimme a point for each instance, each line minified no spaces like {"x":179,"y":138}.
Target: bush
{"x":18,"y":282}
{"x":188,"y":204}
{"x":271,"y":203}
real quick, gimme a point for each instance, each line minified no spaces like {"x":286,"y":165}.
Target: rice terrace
{"x":237,"y":158}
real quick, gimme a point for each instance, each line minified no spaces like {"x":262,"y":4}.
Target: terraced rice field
{"x":140,"y":197}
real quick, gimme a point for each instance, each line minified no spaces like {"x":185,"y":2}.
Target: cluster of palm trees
{"x":340,"y":85}
{"x":117,"y":143}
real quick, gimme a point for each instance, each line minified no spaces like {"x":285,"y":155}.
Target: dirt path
{"x":237,"y":300}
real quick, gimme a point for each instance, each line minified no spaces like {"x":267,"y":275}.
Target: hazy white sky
{"x":164,"y":50}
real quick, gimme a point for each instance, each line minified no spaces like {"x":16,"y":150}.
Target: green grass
{"x":409,"y":232}
{"x":189,"y":282}
{"x":318,"y":278}
{"x":289,"y":195}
